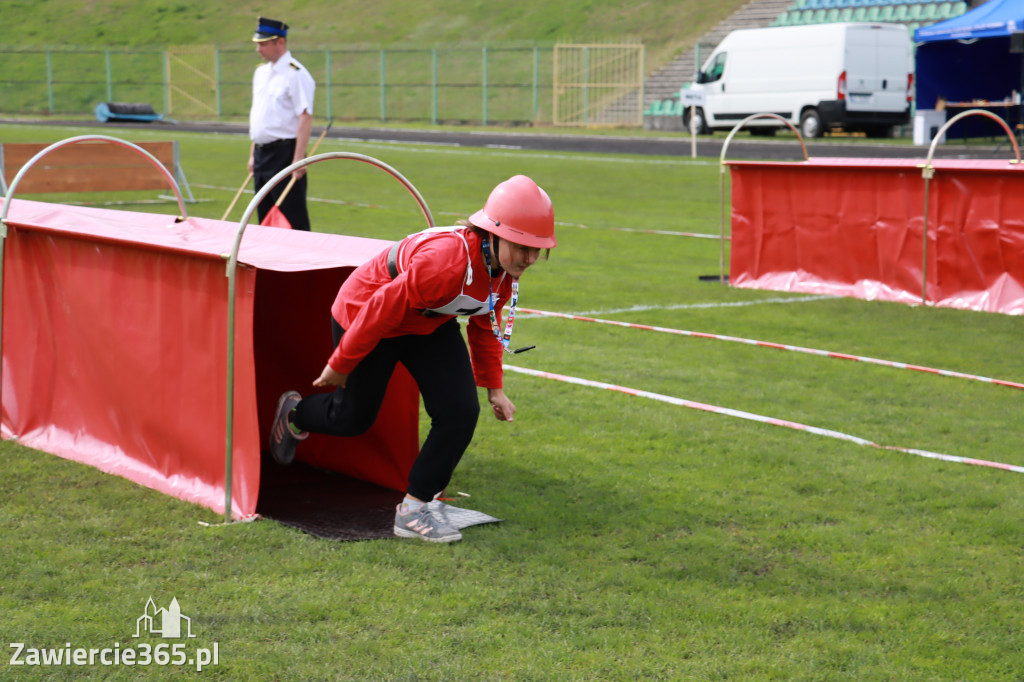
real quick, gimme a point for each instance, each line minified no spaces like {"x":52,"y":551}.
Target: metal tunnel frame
{"x":28,"y":166}
{"x":721,"y":181}
{"x":231,"y":273}
{"x":928,"y":172}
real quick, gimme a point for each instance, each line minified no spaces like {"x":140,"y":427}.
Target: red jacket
{"x":371,"y":306}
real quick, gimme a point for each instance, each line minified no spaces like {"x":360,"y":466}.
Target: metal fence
{"x":505,"y":85}
{"x":481,"y":85}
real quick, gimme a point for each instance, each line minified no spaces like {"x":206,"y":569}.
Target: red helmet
{"x":519,"y":211}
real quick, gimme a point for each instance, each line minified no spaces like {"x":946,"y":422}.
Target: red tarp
{"x":852,"y":227}
{"x":115,"y":348}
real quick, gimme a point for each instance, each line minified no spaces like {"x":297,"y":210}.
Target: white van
{"x":858,"y":76}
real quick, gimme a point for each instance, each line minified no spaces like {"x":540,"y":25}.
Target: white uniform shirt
{"x":280,"y":93}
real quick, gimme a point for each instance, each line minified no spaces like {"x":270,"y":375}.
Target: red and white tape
{"x":759,"y":418}
{"x":780,"y":346}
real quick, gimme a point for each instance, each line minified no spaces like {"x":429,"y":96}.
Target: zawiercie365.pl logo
{"x":167,"y":623}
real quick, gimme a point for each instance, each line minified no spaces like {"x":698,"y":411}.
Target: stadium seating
{"x":912,"y":13}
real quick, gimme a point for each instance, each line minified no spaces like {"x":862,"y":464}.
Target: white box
{"x":926,"y":123}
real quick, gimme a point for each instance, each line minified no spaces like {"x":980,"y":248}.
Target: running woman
{"x":402,"y":306}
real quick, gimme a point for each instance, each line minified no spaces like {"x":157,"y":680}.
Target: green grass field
{"x":641,"y":540}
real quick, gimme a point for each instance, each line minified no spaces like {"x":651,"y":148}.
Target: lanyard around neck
{"x":510,"y":318}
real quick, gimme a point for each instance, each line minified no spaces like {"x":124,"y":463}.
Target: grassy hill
{"x":664,"y":26}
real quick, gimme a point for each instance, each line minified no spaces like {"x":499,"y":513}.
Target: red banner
{"x":115,"y":332}
{"x":853,"y":227}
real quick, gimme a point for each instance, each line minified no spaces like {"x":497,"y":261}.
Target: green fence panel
{"x":492,"y":84}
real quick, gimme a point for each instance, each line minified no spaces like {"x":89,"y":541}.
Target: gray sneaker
{"x":283,"y":440}
{"x":424,"y":524}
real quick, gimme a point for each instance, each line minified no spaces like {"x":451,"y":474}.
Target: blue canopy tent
{"x":968,"y":58}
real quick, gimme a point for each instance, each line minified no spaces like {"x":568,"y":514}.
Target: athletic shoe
{"x":424,"y":524}
{"x":283,"y":440}
{"x":440,"y":511}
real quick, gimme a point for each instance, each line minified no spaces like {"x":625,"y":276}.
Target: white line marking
{"x":343,"y":202}
{"x":454,"y":149}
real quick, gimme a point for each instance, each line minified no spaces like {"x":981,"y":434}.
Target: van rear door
{"x":877,"y":59}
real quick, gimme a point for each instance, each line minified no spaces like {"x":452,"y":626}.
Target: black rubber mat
{"x":325,"y":503}
{"x":337,"y":507}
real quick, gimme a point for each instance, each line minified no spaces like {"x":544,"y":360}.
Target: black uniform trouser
{"x":268,"y":161}
{"x":439,"y":362}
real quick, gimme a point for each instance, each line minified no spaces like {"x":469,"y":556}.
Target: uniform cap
{"x":268,"y":29}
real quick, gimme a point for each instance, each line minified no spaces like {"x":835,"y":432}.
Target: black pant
{"x":439,"y":362}
{"x":268,"y":161}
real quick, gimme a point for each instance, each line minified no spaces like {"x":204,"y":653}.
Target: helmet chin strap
{"x":503,"y":339}
{"x":496,"y":268}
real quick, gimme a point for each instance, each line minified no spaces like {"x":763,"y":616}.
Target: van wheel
{"x":810,"y":123}
{"x":698,"y":119}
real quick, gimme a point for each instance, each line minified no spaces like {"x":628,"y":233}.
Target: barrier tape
{"x":838,"y":435}
{"x":779,"y":346}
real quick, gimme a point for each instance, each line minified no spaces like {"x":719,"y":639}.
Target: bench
{"x":96,"y":166}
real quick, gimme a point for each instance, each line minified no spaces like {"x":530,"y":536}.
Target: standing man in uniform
{"x":280,"y":120}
